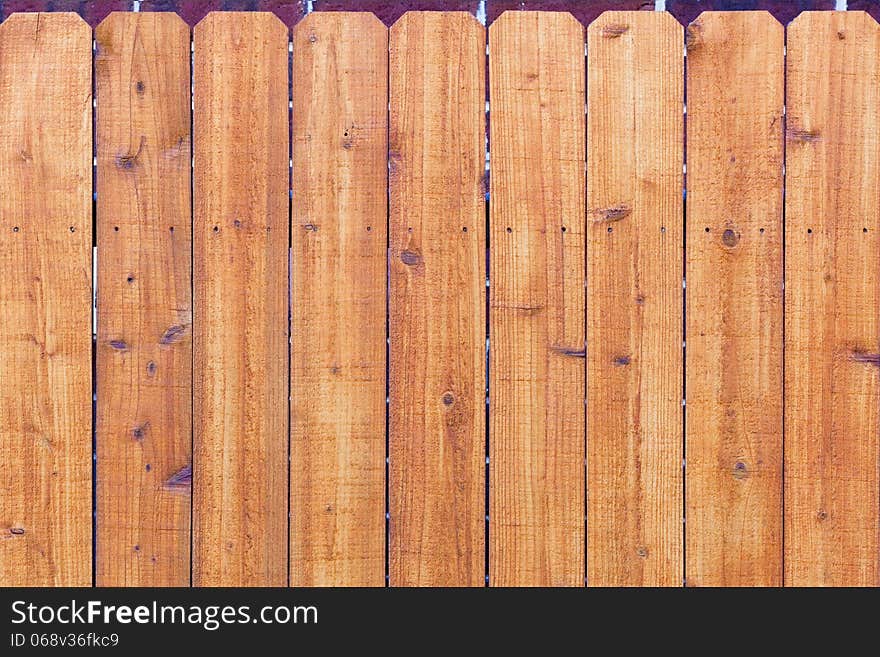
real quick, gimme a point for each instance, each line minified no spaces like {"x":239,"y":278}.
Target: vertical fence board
{"x":45,"y":301}
{"x":340,"y":175}
{"x":537,"y":373}
{"x":437,"y":302}
{"x":734,"y":300}
{"x":832,"y":405}
{"x":240,"y":240}
{"x":144,"y":348}
{"x":634,"y":300}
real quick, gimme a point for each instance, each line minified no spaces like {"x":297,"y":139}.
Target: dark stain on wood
{"x":130,"y":160}
{"x":869,"y":359}
{"x":611,"y":214}
{"x":411,"y":258}
{"x":139,"y":432}
{"x":173,"y":334}
{"x":570,"y":351}
{"x":802,"y":135}
{"x":614,"y":30}
{"x":180,"y":481}
{"x":693,"y":35}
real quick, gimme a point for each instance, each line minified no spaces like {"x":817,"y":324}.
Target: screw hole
{"x":129,"y":279}
{"x":864,"y":230}
{"x":662,"y":229}
{"x":115,"y":229}
{"x":509,"y":229}
{"x":72,"y":229}
{"x":464,"y":229}
{"x":707,"y":229}
{"x":171,"y":228}
{"x":216,"y":229}
{"x":15,"y":229}
{"x":409,"y":230}
{"x":761,"y":230}
{"x":809,"y":231}
{"x":564,"y":229}
{"x":610,"y":229}
{"x":369,"y":229}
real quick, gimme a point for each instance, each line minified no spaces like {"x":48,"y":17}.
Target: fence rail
{"x":333,"y":346}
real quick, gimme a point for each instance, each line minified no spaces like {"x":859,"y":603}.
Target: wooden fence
{"x":330,"y":349}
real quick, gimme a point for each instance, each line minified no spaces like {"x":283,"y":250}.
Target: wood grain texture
{"x":45,"y":301}
{"x":340,"y":173}
{"x":734,"y":300}
{"x":240,"y":239}
{"x":437,"y":303}
{"x":634,"y":300}
{"x":832,"y":301}
{"x":144,"y":338}
{"x":536,"y":311}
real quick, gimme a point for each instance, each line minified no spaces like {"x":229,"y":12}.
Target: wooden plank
{"x":536,"y":372}
{"x":734,"y":300}
{"x":437,"y":304}
{"x":634,"y":300}
{"x":240,"y":240}
{"x":45,"y":301}
{"x":832,"y":353}
{"x":144,"y":341}
{"x":340,"y":173}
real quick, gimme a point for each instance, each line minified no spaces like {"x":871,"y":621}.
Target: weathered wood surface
{"x":536,"y":309}
{"x":832,"y":302}
{"x":45,"y":301}
{"x":733,"y":314}
{"x":144,"y":336}
{"x":340,"y":146}
{"x":437,"y":303}
{"x":240,"y":246}
{"x":634,"y":300}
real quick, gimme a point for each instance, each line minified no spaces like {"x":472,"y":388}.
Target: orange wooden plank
{"x":536,"y":373}
{"x":240,"y":240}
{"x":832,"y":296}
{"x":437,"y":303}
{"x":144,"y":345}
{"x":340,"y":146}
{"x":45,"y":301}
{"x":634,"y":300}
{"x":734,"y":300}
